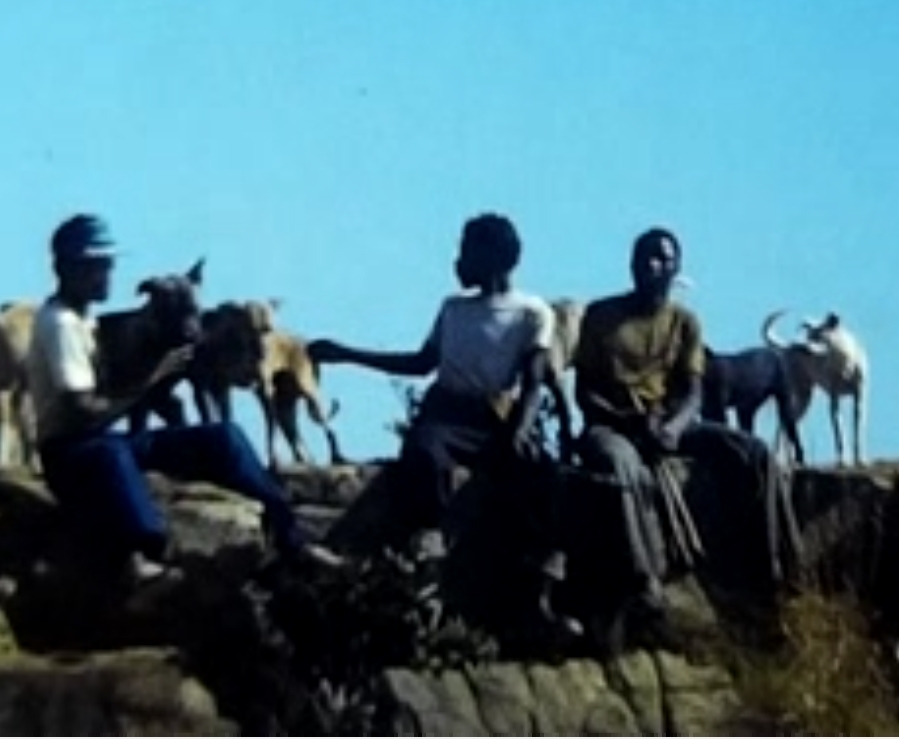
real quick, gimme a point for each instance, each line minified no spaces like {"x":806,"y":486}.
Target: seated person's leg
{"x":606,"y":451}
{"x":221,"y":454}
{"x":430,"y":453}
{"x":747,"y":468}
{"x":100,"y":482}
{"x":727,"y":448}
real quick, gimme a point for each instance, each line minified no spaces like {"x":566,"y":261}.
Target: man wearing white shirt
{"x":96,"y":473}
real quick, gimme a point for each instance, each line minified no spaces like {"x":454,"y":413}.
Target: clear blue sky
{"x":328,"y":153}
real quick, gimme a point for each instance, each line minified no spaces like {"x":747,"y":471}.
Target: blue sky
{"x":328,"y":152}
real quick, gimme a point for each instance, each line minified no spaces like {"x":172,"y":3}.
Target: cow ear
{"x":195,"y":273}
{"x":148,"y":286}
{"x":831,"y":321}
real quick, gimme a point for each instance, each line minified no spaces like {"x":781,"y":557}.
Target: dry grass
{"x":831,"y":678}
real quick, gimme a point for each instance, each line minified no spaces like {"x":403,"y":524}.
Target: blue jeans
{"x":99,"y":479}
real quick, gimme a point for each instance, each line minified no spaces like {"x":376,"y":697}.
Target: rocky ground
{"x":245,"y":646}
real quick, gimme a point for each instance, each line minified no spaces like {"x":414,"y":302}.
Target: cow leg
{"x":836,"y":422}
{"x":285,"y":410}
{"x":264,"y":393}
{"x":859,"y":421}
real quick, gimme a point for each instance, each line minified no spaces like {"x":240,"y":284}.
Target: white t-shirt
{"x":481,"y":341}
{"x":60,"y":360}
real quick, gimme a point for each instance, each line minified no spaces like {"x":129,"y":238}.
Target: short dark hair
{"x":653,"y":238}
{"x":492,"y":241}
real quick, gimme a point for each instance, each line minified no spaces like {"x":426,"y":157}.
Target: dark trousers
{"x":450,"y":432}
{"x":753,"y":520}
{"x":99,"y":480}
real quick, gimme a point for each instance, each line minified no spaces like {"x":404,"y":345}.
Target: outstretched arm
{"x":411,"y":364}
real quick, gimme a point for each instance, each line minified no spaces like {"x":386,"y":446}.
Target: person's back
{"x":483,"y":339}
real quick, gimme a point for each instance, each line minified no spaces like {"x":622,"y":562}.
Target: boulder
{"x":135,"y":692}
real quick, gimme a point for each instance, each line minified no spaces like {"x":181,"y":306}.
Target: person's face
{"x":89,"y":279}
{"x":654,"y":269}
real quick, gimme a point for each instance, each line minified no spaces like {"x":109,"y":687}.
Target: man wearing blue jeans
{"x":97,"y":474}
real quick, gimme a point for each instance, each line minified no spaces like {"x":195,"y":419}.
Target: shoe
{"x":151,"y":582}
{"x":145,"y":571}
{"x":321,"y":555}
{"x":567,"y":626}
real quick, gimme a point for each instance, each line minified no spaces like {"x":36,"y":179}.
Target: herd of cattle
{"x":239,"y":345}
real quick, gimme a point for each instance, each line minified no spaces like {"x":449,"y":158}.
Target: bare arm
{"x":533,"y":374}
{"x":554,"y":383}
{"x":563,"y":413}
{"x":89,"y":410}
{"x":410,"y":364}
{"x":685,"y":408}
{"x":686,"y":405}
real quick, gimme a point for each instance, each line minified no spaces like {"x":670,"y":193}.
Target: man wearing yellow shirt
{"x":638,"y":370}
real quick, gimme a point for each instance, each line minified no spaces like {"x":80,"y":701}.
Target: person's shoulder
{"x":684,"y":314}
{"x":53,"y":316}
{"x":53,"y":312}
{"x":455,"y":302}
{"x":529,"y":301}
{"x":531,"y":305}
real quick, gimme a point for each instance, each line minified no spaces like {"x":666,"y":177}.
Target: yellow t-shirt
{"x":633,"y":359}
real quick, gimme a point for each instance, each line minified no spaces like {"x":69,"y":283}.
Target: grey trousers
{"x":606,"y":451}
{"x":759,"y":506}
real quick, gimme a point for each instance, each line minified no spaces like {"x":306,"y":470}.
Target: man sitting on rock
{"x":96,"y":473}
{"x":489,"y":349}
{"x":638,"y":370}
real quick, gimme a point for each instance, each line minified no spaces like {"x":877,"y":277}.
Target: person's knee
{"x":104,"y":456}
{"x":226,"y":437}
{"x":605,"y":451}
{"x":754,"y":448}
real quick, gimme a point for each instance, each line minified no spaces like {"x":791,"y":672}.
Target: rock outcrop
{"x":239,"y":648}
{"x":130,"y":692}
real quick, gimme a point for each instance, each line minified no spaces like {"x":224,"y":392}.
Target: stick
{"x":680,"y":520}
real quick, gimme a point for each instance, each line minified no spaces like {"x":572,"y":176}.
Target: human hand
{"x":524,"y":444}
{"x":174,"y":362}
{"x":324,"y":351}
